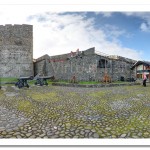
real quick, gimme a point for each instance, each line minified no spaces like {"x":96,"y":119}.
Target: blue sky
{"x":115,"y":33}
{"x":133,"y":35}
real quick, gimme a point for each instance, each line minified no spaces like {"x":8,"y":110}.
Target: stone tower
{"x":16,"y":50}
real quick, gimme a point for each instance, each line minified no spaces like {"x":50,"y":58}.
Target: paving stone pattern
{"x":69,"y":112}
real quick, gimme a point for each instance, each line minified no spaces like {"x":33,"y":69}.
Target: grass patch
{"x":48,"y":97}
{"x":25,"y":106}
{"x":5,"y":80}
{"x":1,"y":93}
{"x":89,"y":82}
{"x":121,"y":82}
{"x":99,"y":94}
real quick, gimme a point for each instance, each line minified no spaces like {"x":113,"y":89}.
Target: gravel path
{"x":67,"y":112}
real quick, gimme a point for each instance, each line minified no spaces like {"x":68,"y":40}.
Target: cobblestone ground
{"x":64,"y":112}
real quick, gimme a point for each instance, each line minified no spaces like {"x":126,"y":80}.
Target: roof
{"x":46,"y":56}
{"x":146,"y":63}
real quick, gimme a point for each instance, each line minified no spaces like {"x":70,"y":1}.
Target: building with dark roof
{"x":140,"y":68}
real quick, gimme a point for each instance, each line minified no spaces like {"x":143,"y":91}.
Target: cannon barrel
{"x":46,"y":77}
{"x":27,"y":78}
{"x":42,"y":80}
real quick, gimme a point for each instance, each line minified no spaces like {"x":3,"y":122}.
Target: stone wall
{"x":16,"y":50}
{"x":115,"y":68}
{"x":40,"y":66}
{"x":86,"y":65}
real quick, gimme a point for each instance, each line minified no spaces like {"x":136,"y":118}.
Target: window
{"x":103,"y":63}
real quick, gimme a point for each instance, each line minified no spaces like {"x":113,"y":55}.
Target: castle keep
{"x":16,"y":50}
{"x":87,"y":65}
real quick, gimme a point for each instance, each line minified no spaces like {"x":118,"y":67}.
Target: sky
{"x":120,"y":33}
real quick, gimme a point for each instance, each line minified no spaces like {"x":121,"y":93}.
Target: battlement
{"x":16,"y":25}
{"x":15,"y":29}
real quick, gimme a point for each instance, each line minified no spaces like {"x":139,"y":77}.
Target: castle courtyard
{"x":69,"y":112}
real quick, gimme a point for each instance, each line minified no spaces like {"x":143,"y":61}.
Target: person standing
{"x":144,"y":80}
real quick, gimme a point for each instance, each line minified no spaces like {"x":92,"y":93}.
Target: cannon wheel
{"x":27,"y":85}
{"x":41,"y":84}
{"x":20,"y":85}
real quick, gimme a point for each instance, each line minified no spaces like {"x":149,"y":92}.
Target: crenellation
{"x":8,"y":25}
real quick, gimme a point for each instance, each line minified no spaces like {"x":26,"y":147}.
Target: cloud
{"x":118,"y":49}
{"x":63,"y":33}
{"x":145,"y":25}
{"x":104,"y":14}
{"x":113,"y":32}
{"x":58,"y":32}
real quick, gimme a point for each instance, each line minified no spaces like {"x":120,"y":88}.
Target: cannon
{"x":42,"y":80}
{"x":22,"y":82}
